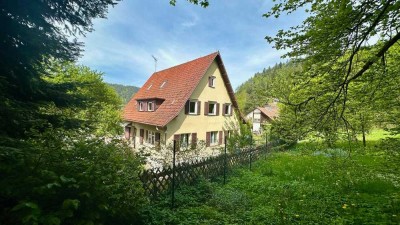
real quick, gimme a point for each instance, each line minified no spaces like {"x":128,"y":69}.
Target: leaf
{"x":66,"y":179}
{"x":71,"y":204}
{"x":22,"y":205}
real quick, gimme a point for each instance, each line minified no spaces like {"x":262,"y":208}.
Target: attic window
{"x":149,"y":87}
{"x":211,"y":81}
{"x":162,"y":85}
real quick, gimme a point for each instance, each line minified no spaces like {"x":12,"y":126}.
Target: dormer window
{"x":211,"y":81}
{"x":150,"y":106}
{"x":140,"y":106}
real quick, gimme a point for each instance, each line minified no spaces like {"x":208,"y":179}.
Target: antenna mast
{"x":155,"y":63}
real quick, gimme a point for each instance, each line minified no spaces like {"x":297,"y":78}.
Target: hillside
{"x":125,"y":92}
{"x":264,"y":86}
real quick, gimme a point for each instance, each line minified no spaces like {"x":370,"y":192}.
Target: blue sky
{"x":122,"y":45}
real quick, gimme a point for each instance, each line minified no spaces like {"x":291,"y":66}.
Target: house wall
{"x":135,"y":137}
{"x":201,"y":124}
{"x":256,"y":118}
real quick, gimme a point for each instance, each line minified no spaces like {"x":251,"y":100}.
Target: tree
{"x":331,"y":39}
{"x":96,"y":107}
{"x":32,"y":34}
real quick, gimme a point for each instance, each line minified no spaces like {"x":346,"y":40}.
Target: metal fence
{"x":160,"y":180}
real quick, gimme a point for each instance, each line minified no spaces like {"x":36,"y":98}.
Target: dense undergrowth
{"x":307,"y":184}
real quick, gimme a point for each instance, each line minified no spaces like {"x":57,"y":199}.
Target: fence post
{"x":251,"y":149}
{"x":225,"y":162}
{"x":173,"y":177}
{"x":266,"y":144}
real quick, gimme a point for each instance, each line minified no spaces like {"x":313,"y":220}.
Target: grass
{"x":309,"y":184}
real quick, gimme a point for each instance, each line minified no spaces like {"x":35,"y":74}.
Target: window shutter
{"x":205,"y":108}
{"x":127,"y":132}
{"x":210,"y":81}
{"x":141,"y":136}
{"x":187,"y":107}
{"x":230,"y":113}
{"x":198,"y":107}
{"x":217,"y":111}
{"x":194,"y":140}
{"x":220,"y":138}
{"x":208,"y":134}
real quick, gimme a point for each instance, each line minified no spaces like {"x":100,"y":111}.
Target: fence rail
{"x":159,"y":180}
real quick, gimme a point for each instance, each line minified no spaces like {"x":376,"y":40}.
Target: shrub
{"x":68,"y":178}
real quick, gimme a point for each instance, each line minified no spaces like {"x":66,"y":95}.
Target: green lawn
{"x":307,"y":184}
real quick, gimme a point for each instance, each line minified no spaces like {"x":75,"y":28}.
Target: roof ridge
{"x":187,"y":62}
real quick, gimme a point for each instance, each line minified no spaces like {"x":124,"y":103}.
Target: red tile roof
{"x":181,"y":81}
{"x":270,"y":110}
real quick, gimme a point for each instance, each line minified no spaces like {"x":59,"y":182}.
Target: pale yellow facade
{"x":199,"y":124}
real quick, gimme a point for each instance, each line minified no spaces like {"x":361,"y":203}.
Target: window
{"x":212,"y":108}
{"x":214,"y":138}
{"x":184,"y":140}
{"x":150,"y":106}
{"x":193,"y":107}
{"x":211,"y":81}
{"x":151,"y":137}
{"x":227,"y":109}
{"x":140,"y":106}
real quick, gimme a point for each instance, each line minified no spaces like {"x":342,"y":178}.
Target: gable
{"x":175,"y":85}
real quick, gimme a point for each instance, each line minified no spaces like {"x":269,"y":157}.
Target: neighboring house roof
{"x":271,"y":110}
{"x":181,"y":81}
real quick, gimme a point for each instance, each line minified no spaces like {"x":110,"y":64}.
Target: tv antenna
{"x":155,"y":63}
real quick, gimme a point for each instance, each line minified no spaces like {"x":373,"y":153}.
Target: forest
{"x":63,"y":163}
{"x":124,"y":91}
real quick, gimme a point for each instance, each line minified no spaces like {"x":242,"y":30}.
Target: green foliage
{"x":202,"y":3}
{"x":61,"y":177}
{"x":97,"y":105}
{"x":124,"y":92}
{"x":33,"y":35}
{"x":240,"y":135}
{"x":263,"y":87}
{"x":307,"y":185}
{"x":344,"y":69}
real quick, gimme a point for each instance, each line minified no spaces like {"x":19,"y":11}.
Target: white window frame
{"x":212,"y":81}
{"x":151,"y":137}
{"x":150,"y":106}
{"x":214,"y":138}
{"x":195,"y":107}
{"x":229,"y":109}
{"x":214,"y":112}
{"x":140,"y":106}
{"x":184,"y":140}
